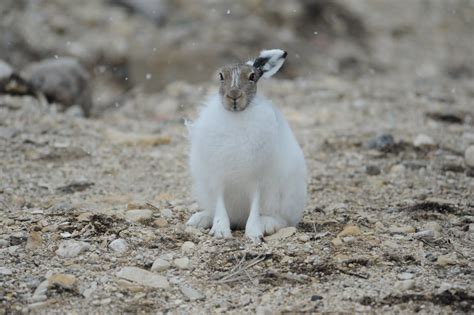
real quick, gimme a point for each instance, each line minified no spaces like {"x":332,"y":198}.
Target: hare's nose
{"x":234,"y":94}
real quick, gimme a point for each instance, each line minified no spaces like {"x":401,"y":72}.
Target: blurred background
{"x":123,"y":44}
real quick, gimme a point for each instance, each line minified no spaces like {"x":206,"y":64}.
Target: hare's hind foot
{"x":200,"y":219}
{"x":271,"y":224}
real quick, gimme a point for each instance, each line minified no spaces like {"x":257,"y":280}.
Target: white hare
{"x":247,"y":167}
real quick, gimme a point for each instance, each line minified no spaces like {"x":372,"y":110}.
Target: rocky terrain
{"x":93,"y":210}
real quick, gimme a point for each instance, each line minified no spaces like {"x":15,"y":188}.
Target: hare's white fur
{"x":247,"y":168}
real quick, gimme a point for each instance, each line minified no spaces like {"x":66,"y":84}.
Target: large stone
{"x":143,"y":277}
{"x":62,"y":80}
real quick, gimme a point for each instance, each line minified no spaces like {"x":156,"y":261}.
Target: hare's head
{"x":239,"y":81}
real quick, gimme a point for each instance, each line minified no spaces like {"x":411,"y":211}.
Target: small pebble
{"x":62,"y":280}
{"x":167,"y":213}
{"x":422,"y":140}
{"x":281,"y":234}
{"x":160,"y":222}
{"x":71,"y":248}
{"x":304,"y":238}
{"x":405,"y":276}
{"x":5,"y":271}
{"x":350,"y":230}
{"x":445,"y":260}
{"x":397,"y":169}
{"x":187,"y":247}
{"x":182,"y":263}
{"x":372,"y":170}
{"x":119,"y":245}
{"x":379,"y":226}
{"x":139,"y":215}
{"x":405,"y":285}
{"x":143,"y":277}
{"x":160,"y":265}
{"x":191,"y":294}
{"x":336,"y":241}
{"x":381,"y":142}
{"x":435,"y":228}
{"x":469,"y":156}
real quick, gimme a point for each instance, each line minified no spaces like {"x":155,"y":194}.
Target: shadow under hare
{"x":247,"y":168}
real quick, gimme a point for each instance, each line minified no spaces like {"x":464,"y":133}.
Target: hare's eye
{"x":221,"y":76}
{"x":252,"y":77}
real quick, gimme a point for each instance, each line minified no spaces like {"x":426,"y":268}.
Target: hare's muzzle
{"x":234,"y":95}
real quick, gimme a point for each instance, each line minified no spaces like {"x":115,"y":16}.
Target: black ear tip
{"x":285,"y":54}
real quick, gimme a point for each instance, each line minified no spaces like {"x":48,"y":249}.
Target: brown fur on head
{"x":239,"y":81}
{"x":238,"y":86}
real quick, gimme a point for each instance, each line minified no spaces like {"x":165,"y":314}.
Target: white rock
{"x":397,"y":169}
{"x":40,"y":292}
{"x":422,"y":140}
{"x":405,"y":285}
{"x":119,"y":245}
{"x":167,"y":213}
{"x":191,"y":294}
{"x":282,"y":233}
{"x":71,"y":248}
{"x":139,"y":215}
{"x":160,"y":265}
{"x":5,"y":70}
{"x":405,"y":276}
{"x":143,"y":277}
{"x":425,"y":234}
{"x":187,"y":247}
{"x":469,"y":156}
{"x":435,"y":227}
{"x":5,"y":271}
{"x":182,"y":263}
{"x":87,"y":293}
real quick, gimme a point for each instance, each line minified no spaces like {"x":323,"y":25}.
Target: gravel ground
{"x":93,"y":211}
{"x":388,"y":227}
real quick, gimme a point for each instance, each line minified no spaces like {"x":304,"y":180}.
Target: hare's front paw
{"x":200,"y":219}
{"x":221,"y":229}
{"x":254,"y":232}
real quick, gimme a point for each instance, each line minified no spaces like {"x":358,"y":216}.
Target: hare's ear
{"x":269,"y":61}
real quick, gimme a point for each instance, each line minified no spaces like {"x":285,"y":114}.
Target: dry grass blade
{"x":350,"y":273}
{"x":240,"y":271}
{"x":152,"y":206}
